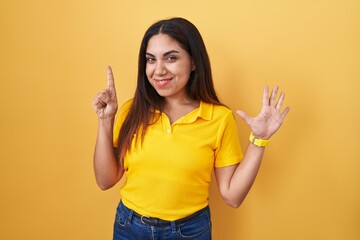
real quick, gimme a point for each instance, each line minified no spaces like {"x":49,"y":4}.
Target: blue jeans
{"x":129,"y":225}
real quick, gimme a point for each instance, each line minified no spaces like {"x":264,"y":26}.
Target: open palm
{"x":269,"y":120}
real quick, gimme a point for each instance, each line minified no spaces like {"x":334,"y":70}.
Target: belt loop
{"x":173,"y":226}
{"x":131,"y":214}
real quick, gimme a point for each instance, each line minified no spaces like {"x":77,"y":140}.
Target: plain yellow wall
{"x":53,"y":57}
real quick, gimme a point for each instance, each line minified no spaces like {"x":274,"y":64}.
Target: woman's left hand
{"x":269,"y":120}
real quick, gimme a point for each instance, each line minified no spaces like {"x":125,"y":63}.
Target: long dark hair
{"x":146,"y":100}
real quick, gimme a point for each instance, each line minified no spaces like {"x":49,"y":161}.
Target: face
{"x":168,"y":67}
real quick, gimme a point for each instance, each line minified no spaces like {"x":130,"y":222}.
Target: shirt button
{"x":168,"y":131}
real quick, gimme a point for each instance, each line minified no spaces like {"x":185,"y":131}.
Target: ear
{"x":193,"y":67}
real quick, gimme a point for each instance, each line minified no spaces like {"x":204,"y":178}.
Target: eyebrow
{"x":165,"y":54}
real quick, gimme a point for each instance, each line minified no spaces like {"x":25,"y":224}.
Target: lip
{"x":162,"y":82}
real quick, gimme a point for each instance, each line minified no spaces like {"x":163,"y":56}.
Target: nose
{"x":160,"y":69}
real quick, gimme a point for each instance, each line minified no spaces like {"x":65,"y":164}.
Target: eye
{"x":171,"y":58}
{"x":150,"y":59}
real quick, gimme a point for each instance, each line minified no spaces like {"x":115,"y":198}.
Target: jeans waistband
{"x":160,"y":222}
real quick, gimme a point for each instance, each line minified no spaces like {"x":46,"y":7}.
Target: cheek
{"x":180,"y":70}
{"x":184,"y":72}
{"x":148,"y":71}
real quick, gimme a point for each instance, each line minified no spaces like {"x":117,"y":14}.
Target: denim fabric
{"x":128,"y":226}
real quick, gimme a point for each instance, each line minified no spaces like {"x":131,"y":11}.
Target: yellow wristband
{"x":258,"y":141}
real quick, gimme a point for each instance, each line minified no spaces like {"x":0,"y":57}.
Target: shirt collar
{"x":204,"y":111}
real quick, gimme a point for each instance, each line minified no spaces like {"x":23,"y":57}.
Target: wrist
{"x":106,"y":122}
{"x":258,"y":141}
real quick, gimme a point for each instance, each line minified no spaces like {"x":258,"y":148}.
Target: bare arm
{"x":108,"y":171}
{"x":235,"y":181}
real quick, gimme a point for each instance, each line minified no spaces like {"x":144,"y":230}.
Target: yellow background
{"x":53,"y":57}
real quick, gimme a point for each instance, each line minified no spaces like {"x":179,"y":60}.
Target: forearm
{"x":244,"y":175}
{"x":106,"y":167}
{"x":235,"y":181}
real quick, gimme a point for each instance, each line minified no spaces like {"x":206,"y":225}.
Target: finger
{"x":273,"y":95}
{"x":244,"y":116}
{"x":97,"y":108}
{"x":266,"y":96}
{"x":280,"y":101}
{"x":285,"y":112}
{"x":97,"y":105}
{"x":110,"y":77}
{"x":104,"y":96}
{"x":97,"y":102}
{"x":102,"y":101}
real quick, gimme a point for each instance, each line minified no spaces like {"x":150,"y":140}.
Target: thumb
{"x":244,"y":116}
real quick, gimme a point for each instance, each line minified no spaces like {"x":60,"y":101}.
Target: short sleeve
{"x":228,"y":151}
{"x":119,"y":121}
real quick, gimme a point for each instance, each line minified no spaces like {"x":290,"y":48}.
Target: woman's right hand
{"x":105,"y":102}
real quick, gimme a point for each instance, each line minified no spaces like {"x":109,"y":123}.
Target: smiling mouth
{"x":162,"y":82}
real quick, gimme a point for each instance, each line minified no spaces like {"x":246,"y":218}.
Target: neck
{"x":171,"y":103}
{"x":177,"y":108}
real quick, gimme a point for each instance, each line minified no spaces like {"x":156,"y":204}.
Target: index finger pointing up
{"x":110,"y":78}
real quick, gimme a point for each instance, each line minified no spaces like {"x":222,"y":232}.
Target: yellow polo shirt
{"x":168,"y":174}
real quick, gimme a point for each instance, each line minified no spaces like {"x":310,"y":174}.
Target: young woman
{"x":171,"y":135}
